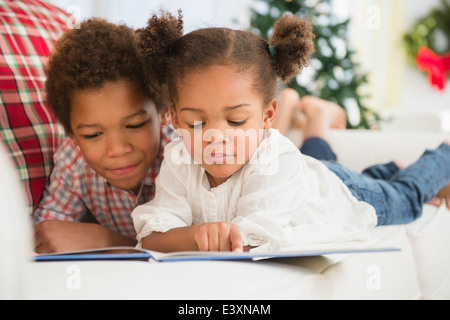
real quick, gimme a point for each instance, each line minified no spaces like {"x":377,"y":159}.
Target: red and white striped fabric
{"x":28,"y":32}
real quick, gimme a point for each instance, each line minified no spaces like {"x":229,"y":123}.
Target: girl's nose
{"x":216,"y":136}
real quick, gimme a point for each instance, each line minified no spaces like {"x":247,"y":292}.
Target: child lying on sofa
{"x":230,"y":182}
{"x":109,"y":108}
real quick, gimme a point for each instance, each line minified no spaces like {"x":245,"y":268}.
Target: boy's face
{"x":118,"y":132}
{"x":221,"y":119}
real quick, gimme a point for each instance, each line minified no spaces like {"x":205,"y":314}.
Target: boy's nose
{"x":118,"y":147}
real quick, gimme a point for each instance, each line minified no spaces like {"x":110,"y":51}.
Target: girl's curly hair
{"x":91,"y":56}
{"x":175,"y":55}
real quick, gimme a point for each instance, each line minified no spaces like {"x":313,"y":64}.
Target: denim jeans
{"x":397,"y":195}
{"x":318,"y":148}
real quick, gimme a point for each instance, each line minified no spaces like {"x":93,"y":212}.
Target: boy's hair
{"x":88,"y":58}
{"x":175,"y":55}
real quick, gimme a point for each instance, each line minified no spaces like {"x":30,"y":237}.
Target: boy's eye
{"x":92,"y":136}
{"x":237,"y":123}
{"x":138,"y":126}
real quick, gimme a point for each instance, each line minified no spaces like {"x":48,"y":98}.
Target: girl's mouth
{"x":218,"y":158}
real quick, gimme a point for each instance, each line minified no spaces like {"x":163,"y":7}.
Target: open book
{"x":130,"y":253}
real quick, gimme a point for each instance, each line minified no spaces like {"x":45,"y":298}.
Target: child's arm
{"x":218,"y":236}
{"x":55,"y":236}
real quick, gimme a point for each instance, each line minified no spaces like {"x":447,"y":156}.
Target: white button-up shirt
{"x":280,"y":198}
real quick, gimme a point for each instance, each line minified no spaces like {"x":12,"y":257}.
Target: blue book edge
{"x":120,"y":253}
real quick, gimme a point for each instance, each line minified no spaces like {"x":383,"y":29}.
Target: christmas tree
{"x":333,"y":74}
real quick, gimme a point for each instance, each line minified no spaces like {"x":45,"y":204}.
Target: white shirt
{"x":280,"y":198}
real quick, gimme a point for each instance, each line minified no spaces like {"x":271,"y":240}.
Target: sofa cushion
{"x":28,"y":32}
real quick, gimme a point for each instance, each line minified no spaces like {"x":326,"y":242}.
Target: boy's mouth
{"x":124,"y":170}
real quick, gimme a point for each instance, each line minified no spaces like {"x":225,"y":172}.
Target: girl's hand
{"x":219,"y":236}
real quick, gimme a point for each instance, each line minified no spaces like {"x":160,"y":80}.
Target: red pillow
{"x":28,"y":32}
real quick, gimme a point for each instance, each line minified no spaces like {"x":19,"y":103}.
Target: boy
{"x":104,"y":96}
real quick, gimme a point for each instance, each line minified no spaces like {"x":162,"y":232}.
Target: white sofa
{"x":421,"y":270}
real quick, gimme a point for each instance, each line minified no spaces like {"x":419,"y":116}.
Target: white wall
{"x":397,"y":88}
{"x":418,"y":96}
{"x":135,"y":13}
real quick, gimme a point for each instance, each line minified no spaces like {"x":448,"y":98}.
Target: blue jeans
{"x":318,"y":149}
{"x":398,"y":195}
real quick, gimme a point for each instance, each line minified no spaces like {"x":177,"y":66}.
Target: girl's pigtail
{"x":156,"y":42}
{"x":291,"y":44}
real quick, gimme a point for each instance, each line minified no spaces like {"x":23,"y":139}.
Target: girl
{"x":230,"y":182}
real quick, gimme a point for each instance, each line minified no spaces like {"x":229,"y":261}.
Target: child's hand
{"x":219,"y":236}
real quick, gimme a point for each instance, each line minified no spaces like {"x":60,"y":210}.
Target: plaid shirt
{"x":28,"y":32}
{"x":75,"y":189}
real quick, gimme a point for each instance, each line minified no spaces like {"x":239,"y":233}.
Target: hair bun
{"x":291,"y":44}
{"x":157,"y":40}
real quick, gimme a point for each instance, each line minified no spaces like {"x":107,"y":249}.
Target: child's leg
{"x":400,"y":200}
{"x":318,"y":149}
{"x":387,"y":171}
{"x":287,"y":112}
{"x":382,"y":171}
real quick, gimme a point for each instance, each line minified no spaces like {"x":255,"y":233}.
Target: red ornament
{"x":437,"y":66}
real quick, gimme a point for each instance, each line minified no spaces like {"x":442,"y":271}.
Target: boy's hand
{"x":55,"y":236}
{"x":219,"y":236}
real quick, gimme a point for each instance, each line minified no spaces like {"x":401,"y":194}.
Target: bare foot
{"x":436,"y":202}
{"x":299,"y":120}
{"x":400,"y":165}
{"x":444,"y":195}
{"x":333,"y":114}
{"x":321,"y":116}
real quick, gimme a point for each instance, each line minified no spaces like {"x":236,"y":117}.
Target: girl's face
{"x":221,"y":119}
{"x":118,"y":132}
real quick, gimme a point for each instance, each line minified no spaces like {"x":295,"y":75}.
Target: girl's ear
{"x":270,"y":113}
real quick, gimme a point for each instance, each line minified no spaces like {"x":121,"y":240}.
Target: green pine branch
{"x":336,"y":75}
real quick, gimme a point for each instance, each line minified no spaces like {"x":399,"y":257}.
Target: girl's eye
{"x":92,"y":136}
{"x":196,"y":125}
{"x":237,"y":123}
{"x":138,"y":126}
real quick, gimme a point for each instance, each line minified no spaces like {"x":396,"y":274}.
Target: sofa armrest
{"x":360,"y":149}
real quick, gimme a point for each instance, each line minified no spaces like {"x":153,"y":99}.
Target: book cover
{"x":130,"y":253}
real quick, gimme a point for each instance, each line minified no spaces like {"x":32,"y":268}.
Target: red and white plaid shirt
{"x":75,"y":189}
{"x":29,"y":30}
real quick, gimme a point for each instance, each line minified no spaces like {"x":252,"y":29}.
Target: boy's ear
{"x":270,"y":113}
{"x":72,"y":136}
{"x":166,"y":117}
{"x":174,"y":118}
